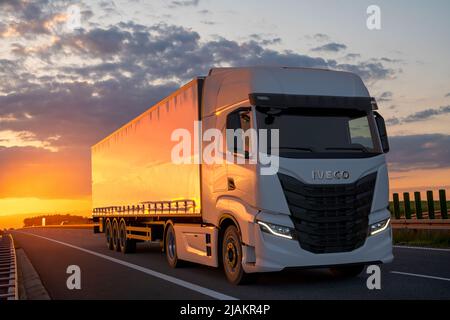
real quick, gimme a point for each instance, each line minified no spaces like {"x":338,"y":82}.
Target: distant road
{"x":414,"y":274}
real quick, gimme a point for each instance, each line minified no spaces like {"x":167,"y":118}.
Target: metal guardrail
{"x":414,"y":210}
{"x":9,"y":289}
{"x":423,"y":224}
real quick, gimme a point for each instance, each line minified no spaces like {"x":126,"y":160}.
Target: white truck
{"x":324,"y":205}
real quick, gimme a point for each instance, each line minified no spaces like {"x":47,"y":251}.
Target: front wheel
{"x":171,"y":247}
{"x":347,"y":271}
{"x":232,"y":257}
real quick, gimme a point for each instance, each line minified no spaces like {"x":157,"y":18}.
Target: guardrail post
{"x":407,"y":205}
{"x":430,"y":202}
{"x":396,"y":205}
{"x":418,"y":205}
{"x":443,"y":204}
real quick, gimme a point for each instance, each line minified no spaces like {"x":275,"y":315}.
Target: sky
{"x":65,"y":82}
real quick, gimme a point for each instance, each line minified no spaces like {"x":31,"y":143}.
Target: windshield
{"x":306,"y":132}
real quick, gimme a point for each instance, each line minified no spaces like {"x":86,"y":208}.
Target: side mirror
{"x":382,"y":132}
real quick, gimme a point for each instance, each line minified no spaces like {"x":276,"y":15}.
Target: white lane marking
{"x":422,"y":248}
{"x":419,"y":275}
{"x":179,"y":282}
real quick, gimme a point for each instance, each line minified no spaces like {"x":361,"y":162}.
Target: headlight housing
{"x":277,"y":230}
{"x":379,"y":226}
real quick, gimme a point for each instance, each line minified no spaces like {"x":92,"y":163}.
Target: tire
{"x":170,"y":247}
{"x":115,"y":236}
{"x":108,"y":234}
{"x":347,"y":271}
{"x":232,"y":258}
{"x":126,"y":245}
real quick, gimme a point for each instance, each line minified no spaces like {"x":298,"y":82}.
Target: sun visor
{"x":312,"y":101}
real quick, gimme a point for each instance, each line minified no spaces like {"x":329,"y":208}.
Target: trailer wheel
{"x":347,"y":271}
{"x":126,"y":245}
{"x":232,"y":257}
{"x":108,"y":235}
{"x":171,"y":247}
{"x":115,"y":235}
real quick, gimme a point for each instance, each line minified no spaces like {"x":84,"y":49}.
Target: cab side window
{"x":238,"y":122}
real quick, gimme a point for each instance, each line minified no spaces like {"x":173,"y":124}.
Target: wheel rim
{"x":231,"y":254}
{"x":108,"y":233}
{"x":122,"y":235}
{"x":115,"y":235}
{"x":171,"y":249}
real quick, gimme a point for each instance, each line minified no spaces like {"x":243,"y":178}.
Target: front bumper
{"x":273,"y":253}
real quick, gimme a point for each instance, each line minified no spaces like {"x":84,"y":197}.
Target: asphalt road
{"x":414,"y":274}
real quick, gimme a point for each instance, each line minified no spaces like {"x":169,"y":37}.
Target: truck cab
{"x":323,"y":199}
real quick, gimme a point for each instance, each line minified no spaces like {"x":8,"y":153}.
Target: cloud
{"x":28,"y":20}
{"x":420,"y":115}
{"x":352,"y":56}
{"x":120,"y":71}
{"x":265,"y":40}
{"x":369,"y":71}
{"x":385,"y":96}
{"x":321,"y":37}
{"x":412,"y":152}
{"x":330,"y":47}
{"x":9,"y":138}
{"x":389,"y":60}
{"x":426,"y":114}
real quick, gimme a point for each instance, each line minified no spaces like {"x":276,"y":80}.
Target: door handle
{"x":230,"y":183}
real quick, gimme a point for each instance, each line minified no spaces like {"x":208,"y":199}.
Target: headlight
{"x":379,"y":226}
{"x":277,"y":230}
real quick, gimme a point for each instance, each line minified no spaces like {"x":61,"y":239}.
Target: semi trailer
{"x":320,"y":202}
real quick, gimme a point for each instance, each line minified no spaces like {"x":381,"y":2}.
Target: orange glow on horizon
{"x":12,"y":206}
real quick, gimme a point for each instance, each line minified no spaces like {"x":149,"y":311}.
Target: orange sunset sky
{"x":73,"y":71}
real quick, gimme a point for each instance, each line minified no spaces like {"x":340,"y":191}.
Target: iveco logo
{"x":330,"y":175}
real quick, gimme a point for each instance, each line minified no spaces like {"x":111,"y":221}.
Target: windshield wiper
{"x":354,"y":147}
{"x":310,"y":149}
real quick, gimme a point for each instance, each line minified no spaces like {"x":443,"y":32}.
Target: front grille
{"x":330,"y":218}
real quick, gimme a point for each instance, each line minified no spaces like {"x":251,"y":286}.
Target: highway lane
{"x":111,"y":275}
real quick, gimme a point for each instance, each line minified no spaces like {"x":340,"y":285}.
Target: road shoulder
{"x":30,"y":284}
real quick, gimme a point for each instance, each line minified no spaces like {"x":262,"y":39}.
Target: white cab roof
{"x":226,"y":86}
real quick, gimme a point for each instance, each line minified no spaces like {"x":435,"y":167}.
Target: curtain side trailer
{"x":324,"y":205}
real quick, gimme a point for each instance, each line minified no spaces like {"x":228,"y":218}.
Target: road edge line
{"x":419,"y":275}
{"x":182,"y":283}
{"x":422,"y":248}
